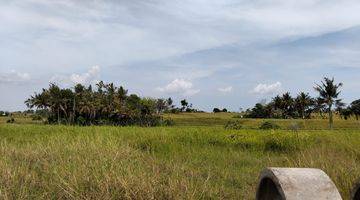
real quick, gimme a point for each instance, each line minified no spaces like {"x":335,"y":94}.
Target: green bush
{"x":233,"y":125}
{"x":281,"y":143}
{"x":168,"y":122}
{"x":295,"y":126}
{"x":11,"y":120}
{"x":238,"y":116}
{"x":36,"y":118}
{"x":269,"y":125}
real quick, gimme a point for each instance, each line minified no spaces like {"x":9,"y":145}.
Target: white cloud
{"x":179,"y":86}
{"x":225,"y":89}
{"x":267,"y":88}
{"x":14,"y":77}
{"x":89,"y":77}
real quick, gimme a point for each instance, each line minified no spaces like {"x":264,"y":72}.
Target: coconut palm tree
{"x":287,"y":105}
{"x":302,"y":103}
{"x":107,"y":104}
{"x":355,"y":108}
{"x":277,"y":102}
{"x":329,"y":92}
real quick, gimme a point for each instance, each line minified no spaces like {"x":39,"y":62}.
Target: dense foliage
{"x":233,"y":125}
{"x":303,"y":105}
{"x":268,"y":125}
{"x":107,"y":104}
{"x":285,"y":106}
{"x":217,"y":110}
{"x":352,"y":110}
{"x":4,"y":114}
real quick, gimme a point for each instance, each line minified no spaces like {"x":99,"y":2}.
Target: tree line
{"x":106,"y":104}
{"x":4,"y":113}
{"x":303,"y":105}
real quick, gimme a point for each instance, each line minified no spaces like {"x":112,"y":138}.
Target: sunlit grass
{"x":65,"y":162}
{"x":220,"y":119}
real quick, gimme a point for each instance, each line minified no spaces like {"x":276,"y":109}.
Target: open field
{"x":219,"y":119}
{"x":187,"y":161}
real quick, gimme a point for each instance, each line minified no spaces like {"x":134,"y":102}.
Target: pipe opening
{"x":268,"y":191}
{"x":357,"y":194}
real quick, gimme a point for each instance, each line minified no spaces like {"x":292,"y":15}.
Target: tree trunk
{"x":74,"y":112}
{"x":331,"y":121}
{"x":303,"y":113}
{"x":58,"y":115}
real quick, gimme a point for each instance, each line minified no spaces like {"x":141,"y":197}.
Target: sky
{"x":227,"y":54}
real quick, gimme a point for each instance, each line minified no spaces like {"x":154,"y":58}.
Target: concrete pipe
{"x":296,"y":184}
{"x":355,"y":193}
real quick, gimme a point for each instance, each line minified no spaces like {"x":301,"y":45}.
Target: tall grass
{"x":220,"y":119}
{"x":64,"y":162}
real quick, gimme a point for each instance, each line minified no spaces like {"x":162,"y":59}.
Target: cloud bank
{"x":89,"y":77}
{"x":225,"y":89}
{"x":179,"y":86}
{"x":14,"y":77}
{"x":265,"y":89}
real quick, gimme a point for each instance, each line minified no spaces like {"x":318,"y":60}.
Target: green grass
{"x":180,"y":162}
{"x":220,"y":119}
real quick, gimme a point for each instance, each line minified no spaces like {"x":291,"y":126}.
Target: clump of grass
{"x":281,"y":143}
{"x":295,"y":126}
{"x":269,"y":125}
{"x":238,"y":116}
{"x":233,"y":125}
{"x":36,"y":118}
{"x":167,"y":122}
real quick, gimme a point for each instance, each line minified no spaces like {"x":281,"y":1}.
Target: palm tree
{"x":287,"y":105}
{"x":328,"y":95}
{"x":107,"y":104}
{"x":276,"y":107}
{"x":277,"y":101}
{"x":355,"y":108}
{"x":302,"y":103}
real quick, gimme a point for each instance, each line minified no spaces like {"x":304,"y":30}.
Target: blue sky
{"x":214,"y":53}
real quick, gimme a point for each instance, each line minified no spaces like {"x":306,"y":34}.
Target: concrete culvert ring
{"x":295,"y":184}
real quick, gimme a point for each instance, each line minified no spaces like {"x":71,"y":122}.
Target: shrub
{"x":11,"y":120}
{"x":281,"y":143}
{"x":238,"y":116}
{"x":216,"y":110}
{"x":81,"y":121}
{"x":167,"y":122}
{"x":269,"y":125}
{"x":295,"y":126}
{"x":4,"y":114}
{"x":36,"y":118}
{"x":233,"y":125}
{"x":175,"y":111}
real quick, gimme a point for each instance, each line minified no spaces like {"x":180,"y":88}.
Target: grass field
{"x":219,"y":119}
{"x":195,"y":159}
